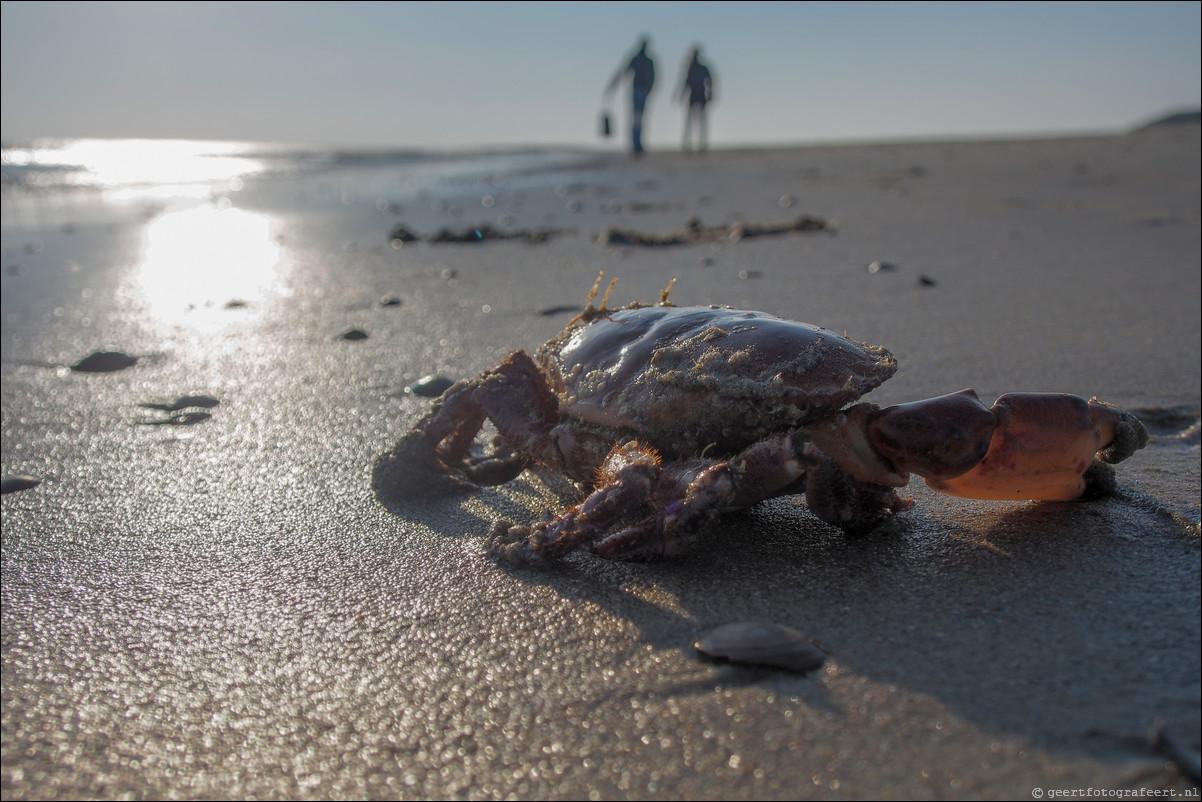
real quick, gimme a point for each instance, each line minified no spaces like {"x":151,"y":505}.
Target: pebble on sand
{"x":11,"y":484}
{"x":104,"y":362}
{"x":430,"y":386}
{"x":562,"y":309}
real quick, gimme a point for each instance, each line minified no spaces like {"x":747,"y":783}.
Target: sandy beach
{"x":215,"y":601}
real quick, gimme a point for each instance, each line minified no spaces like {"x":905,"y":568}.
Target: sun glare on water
{"x":128,"y":169}
{"x":200,"y":254}
{"x":209,"y":257}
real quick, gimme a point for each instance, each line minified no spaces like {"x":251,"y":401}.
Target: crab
{"x":674,"y":415}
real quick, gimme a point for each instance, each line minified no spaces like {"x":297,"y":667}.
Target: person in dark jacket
{"x":641,"y":70}
{"x":698,"y":87}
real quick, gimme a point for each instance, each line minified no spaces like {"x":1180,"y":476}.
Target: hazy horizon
{"x":471,"y":75}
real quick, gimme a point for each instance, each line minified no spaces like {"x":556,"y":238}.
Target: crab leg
{"x":682,"y":498}
{"x":514,"y":397}
{"x":689,"y":496}
{"x":843,"y":501}
{"x":629,"y":476}
{"x":678,"y":501}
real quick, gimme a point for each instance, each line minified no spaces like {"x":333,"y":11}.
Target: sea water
{"x":71,"y":182}
{"x":185,"y":225}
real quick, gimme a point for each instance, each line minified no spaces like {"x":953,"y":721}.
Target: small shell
{"x":762,"y":644}
{"x":185,"y":401}
{"x":188,"y":418}
{"x":182,"y":419}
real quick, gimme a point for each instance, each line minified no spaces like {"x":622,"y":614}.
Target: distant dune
{"x":1193,"y":117}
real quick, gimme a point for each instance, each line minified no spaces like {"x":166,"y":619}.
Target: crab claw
{"x":938,"y":438}
{"x":1041,"y":446}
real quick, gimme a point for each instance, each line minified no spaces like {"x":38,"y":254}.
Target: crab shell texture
{"x":688,"y":380}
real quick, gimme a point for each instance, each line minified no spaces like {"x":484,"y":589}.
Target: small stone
{"x":429,"y":386}
{"x":104,"y":362}
{"x":400,"y":234}
{"x":354,"y":334}
{"x":12,"y":484}
{"x":551,"y":311}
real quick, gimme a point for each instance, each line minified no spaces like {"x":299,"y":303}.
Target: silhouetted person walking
{"x":642,"y":71}
{"x":699,"y":87}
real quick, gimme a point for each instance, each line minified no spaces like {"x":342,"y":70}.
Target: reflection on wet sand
{"x":204,"y":257}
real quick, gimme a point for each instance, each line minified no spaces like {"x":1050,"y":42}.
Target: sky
{"x":450,"y":75}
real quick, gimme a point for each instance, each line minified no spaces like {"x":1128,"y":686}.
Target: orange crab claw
{"x":1042,"y":447}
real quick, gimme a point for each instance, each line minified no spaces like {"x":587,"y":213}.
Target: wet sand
{"x":224,"y":606}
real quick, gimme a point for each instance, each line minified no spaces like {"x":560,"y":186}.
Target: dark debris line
{"x":694,"y":232}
